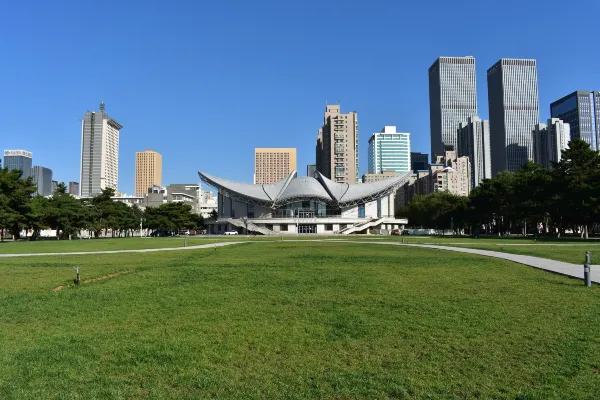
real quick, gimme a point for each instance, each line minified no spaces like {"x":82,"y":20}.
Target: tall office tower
{"x":389,"y":151}
{"x":74,"y":188}
{"x":53,"y":186}
{"x":550,"y":140}
{"x":418,"y":161}
{"x":99,"y":153}
{"x":310,"y":169}
{"x":581,"y":110}
{"x":514,"y":112}
{"x":148,"y":171}
{"x":272,"y":164}
{"x":42,"y":177}
{"x":474,"y":142}
{"x":18,"y":159}
{"x":452,"y":99}
{"x":337,"y":146}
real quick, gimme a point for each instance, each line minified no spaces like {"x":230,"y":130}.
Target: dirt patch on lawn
{"x":100,"y":278}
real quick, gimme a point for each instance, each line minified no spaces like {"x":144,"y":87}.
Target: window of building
{"x":361,"y":210}
{"x":283,"y":227}
{"x":328,"y":227}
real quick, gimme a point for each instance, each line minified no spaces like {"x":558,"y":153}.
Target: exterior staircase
{"x":360,"y":226}
{"x":251,"y":227}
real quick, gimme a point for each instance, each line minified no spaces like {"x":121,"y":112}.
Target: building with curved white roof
{"x":314,"y":205}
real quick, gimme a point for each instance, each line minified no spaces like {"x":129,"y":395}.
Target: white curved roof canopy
{"x":293,"y":189}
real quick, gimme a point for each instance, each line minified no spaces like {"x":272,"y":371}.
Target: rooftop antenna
{"x":101,"y":106}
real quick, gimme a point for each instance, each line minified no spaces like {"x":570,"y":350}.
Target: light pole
{"x":245,"y":219}
{"x":141,"y":227}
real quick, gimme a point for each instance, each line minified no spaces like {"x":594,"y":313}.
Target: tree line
{"x":21,"y":210}
{"x":530,"y":200}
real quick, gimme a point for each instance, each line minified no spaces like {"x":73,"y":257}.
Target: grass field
{"x":296,"y":320}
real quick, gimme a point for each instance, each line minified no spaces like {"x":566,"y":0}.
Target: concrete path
{"x":83,"y":253}
{"x":558,"y":267}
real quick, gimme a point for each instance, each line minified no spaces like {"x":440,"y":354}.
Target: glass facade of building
{"x":42,"y":177}
{"x":452,"y":99}
{"x":419,"y":161}
{"x":581,"y":110}
{"x":389,"y":151}
{"x":514,"y":112}
{"x":18,"y":159}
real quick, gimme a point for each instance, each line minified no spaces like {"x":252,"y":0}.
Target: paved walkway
{"x":558,"y":267}
{"x":83,"y":253}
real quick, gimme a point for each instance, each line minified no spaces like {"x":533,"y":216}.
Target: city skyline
{"x":274,"y":61}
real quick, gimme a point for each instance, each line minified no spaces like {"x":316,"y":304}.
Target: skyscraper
{"x":99,"y":153}
{"x":310,"y":169}
{"x":474,"y":142}
{"x":581,"y":110}
{"x":418,"y":161}
{"x":337,"y":146}
{"x":550,"y":140}
{"x":452,"y":99}
{"x":42,"y":177}
{"x":74,"y":188}
{"x":272,"y":164}
{"x":389,"y":151}
{"x":514,"y":112}
{"x":18,"y":159}
{"x":148,"y":171}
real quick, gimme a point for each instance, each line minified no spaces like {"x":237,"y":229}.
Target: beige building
{"x":273,"y":164}
{"x":148,"y":171}
{"x":368,"y":178}
{"x":449,"y":173}
{"x":337,"y":146}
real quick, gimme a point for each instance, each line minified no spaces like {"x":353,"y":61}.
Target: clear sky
{"x":205,"y":82}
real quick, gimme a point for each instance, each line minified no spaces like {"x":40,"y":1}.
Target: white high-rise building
{"x":389,"y":151}
{"x":550,"y":140}
{"x":452,"y":99}
{"x":474,"y":142}
{"x":514,"y":112}
{"x":99,"y":153}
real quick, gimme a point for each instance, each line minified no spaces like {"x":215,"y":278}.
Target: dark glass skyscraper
{"x":452,"y":99}
{"x":581,"y":110}
{"x":514,"y":112}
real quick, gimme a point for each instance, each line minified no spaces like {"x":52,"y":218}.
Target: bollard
{"x":587,"y":276}
{"x":76,"y":281}
{"x":185,"y":243}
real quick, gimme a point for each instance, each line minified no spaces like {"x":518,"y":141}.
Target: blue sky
{"x":205,"y":82}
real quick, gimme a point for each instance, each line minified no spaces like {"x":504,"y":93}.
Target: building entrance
{"x":307,"y":228}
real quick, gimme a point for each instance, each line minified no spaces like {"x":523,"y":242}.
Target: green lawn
{"x":571,"y":253}
{"x":296,"y":320}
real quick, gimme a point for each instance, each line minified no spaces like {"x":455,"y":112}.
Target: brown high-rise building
{"x":273,"y":165}
{"x":337,"y":146}
{"x":74,"y":188}
{"x":148,"y":171}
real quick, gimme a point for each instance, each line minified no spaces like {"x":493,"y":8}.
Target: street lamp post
{"x":141,"y":227}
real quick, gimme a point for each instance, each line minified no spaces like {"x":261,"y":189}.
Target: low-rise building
{"x":367,"y":178}
{"x":306,"y":205}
